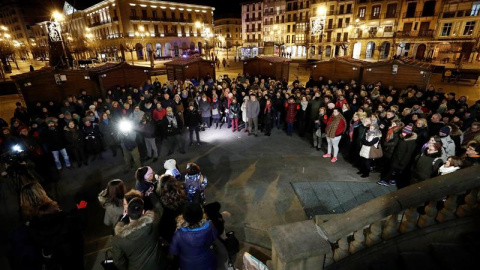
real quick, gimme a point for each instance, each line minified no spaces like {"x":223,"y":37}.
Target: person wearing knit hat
{"x":444,"y":131}
{"x":408,"y":129}
{"x":448,"y":145}
{"x":401,"y":157}
{"x":193,"y":238}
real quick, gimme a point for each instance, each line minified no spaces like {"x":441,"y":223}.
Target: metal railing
{"x":426,"y":33}
{"x":417,"y":14}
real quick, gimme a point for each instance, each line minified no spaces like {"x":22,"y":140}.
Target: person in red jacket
{"x":336,"y":125}
{"x":159,"y":113}
{"x":291,"y":109}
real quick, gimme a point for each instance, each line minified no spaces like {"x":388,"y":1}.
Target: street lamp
{"x":55,"y":34}
{"x":318,"y":22}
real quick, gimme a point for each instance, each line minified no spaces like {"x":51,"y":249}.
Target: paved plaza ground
{"x":262,"y":181}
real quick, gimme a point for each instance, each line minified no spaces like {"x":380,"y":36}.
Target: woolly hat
{"x":445,"y":130}
{"x":193,"y":213}
{"x":21,"y":128}
{"x":408,"y":129}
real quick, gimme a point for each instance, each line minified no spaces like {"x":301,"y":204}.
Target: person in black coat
{"x":192,"y":121}
{"x":401,"y":158}
{"x":278,"y":103}
{"x":93,"y":140}
{"x":56,"y":234}
{"x":268,"y":117}
{"x":54,"y":140}
{"x":75,"y":143}
{"x":172,"y":129}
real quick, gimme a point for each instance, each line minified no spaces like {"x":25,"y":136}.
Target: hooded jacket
{"x":426,"y":166}
{"x":403,"y":152}
{"x":135,"y":245}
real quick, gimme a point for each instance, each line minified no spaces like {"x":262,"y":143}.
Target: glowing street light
{"x":57,"y":16}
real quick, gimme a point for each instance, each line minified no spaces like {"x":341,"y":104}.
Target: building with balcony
{"x":415,"y":28}
{"x":373,"y":29}
{"x":331,"y":23}
{"x":458,"y":31}
{"x":151,"y":29}
{"x":297,"y":27}
{"x":274,"y":26}
{"x":252,"y":30}
{"x":228,"y":34}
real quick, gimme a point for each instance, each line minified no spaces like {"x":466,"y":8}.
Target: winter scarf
{"x":172,"y":120}
{"x":332,"y":127}
{"x":353,"y":126}
{"x":446,"y":170}
{"x":304,"y":105}
{"x":391,"y":132}
{"x":268,"y":108}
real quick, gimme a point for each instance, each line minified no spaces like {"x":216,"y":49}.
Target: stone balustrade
{"x":306,"y":245}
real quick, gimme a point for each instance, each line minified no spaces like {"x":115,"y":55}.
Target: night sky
{"x":223,"y":8}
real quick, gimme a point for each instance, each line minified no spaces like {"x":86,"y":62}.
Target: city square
{"x":298,"y":182}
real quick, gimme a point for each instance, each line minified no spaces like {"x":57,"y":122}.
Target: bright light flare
{"x":17,"y":149}
{"x":125,"y":126}
{"x":321,"y":11}
{"x":58,"y":16}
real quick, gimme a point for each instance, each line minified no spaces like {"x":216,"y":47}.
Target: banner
{"x":54,"y":32}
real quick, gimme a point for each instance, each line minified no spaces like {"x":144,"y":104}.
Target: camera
{"x":14,"y":157}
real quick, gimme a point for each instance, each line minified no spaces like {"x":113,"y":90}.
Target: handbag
{"x":108,"y":264}
{"x":376,"y":152}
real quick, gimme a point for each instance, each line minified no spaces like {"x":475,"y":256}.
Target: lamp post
{"x":206,"y":33}
{"x":318,"y":23}
{"x":55,"y":35}
{"x":142,"y":34}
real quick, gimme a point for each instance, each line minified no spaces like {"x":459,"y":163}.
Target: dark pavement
{"x":254,"y":178}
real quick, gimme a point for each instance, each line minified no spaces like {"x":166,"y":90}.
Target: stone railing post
{"x":471,"y":203}
{"x":448,"y":211}
{"x":358,"y":242}
{"x":410,"y":220}
{"x":430,"y":213}
{"x":391,"y":227}
{"x":298,"y":246}
{"x":374,"y":236}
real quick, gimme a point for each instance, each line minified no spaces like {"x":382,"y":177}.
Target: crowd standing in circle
{"x":407,"y":135}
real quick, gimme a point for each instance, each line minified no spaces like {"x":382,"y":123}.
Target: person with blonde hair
{"x":56,"y":234}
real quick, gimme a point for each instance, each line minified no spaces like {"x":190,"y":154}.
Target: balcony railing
{"x":134,"y":18}
{"x":99,"y":23}
{"x":113,"y":36}
{"x":426,"y":33}
{"x":253,"y":19}
{"x":418,"y":14}
{"x":390,"y":15}
{"x":459,"y":13}
{"x":250,"y":40}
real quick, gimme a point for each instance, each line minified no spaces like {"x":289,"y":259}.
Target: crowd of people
{"x":361,"y":119}
{"x":163,"y":223}
{"x":407,"y":135}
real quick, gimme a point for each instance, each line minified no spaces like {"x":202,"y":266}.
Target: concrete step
{"x":454,"y":256}
{"x":417,"y":260}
